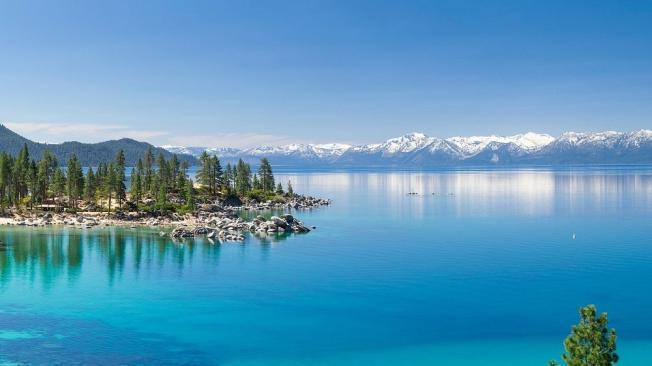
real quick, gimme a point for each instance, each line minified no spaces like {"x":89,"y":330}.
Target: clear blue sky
{"x":247,"y":72}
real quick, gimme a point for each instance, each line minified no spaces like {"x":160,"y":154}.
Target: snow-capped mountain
{"x":528,"y":141}
{"x":311,"y":151}
{"x":415,"y":150}
{"x":197,"y":151}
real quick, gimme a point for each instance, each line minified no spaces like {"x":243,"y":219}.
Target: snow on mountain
{"x":333,"y":149}
{"x":418,"y":149}
{"x":406,"y":143}
{"x":529,"y":141}
{"x":638,"y":138}
{"x":303,"y":150}
{"x":223,"y":152}
{"x":194,"y":151}
{"x":597,"y":138}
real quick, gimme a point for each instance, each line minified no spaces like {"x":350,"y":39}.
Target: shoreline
{"x":213,"y":220}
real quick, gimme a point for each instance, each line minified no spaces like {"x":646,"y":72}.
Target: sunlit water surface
{"x":479,"y":268}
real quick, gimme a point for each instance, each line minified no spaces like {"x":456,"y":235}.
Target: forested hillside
{"x":88,"y":154}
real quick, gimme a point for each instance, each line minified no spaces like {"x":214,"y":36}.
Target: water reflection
{"x":46,"y":255}
{"x":515,"y":192}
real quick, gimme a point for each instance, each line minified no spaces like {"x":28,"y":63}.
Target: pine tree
{"x":255,"y":183}
{"x":182,"y":175}
{"x":242,"y":178}
{"x":148,"y":164}
{"x":90,"y":186}
{"x":120,"y":189}
{"x":32,"y":179}
{"x":279,"y":189}
{"x":217,"y":174}
{"x":136,"y":187}
{"x":205,"y":173}
{"x":266,"y":176}
{"x":45,"y":173}
{"x":173,"y":169}
{"x":58,"y":183}
{"x":20,"y":173}
{"x":190,"y":195}
{"x":290,"y":190}
{"x":75,"y":181}
{"x":591,"y":342}
{"x":228,"y":178}
{"x":162,"y":196}
{"x":110,"y":183}
{"x":5,"y":178}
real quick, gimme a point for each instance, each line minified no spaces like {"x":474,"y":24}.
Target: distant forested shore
{"x":88,"y":154}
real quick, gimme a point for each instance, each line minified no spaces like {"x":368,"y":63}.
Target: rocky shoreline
{"x":213,"y":220}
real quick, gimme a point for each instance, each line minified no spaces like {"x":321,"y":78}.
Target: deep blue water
{"x":485,"y":271}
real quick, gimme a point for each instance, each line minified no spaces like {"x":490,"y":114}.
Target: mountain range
{"x":417,"y":150}
{"x":88,"y":154}
{"x":413,"y":150}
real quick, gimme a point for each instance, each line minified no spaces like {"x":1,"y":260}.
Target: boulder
{"x":279,"y":222}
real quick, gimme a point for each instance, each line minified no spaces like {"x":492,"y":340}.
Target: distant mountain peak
{"x":417,"y":149}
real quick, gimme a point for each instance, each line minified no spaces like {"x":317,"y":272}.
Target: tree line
{"x":156,"y":183}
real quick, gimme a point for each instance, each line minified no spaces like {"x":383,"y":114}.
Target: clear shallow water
{"x":483,"y":272}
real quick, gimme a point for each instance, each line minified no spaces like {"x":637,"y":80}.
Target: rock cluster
{"x":285,"y":223}
{"x":297,"y":203}
{"x":223,"y":226}
{"x":50,"y":219}
{"x":233,"y":228}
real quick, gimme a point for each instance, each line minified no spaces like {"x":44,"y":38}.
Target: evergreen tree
{"x":255,"y":183}
{"x":148,"y":164}
{"x":228,"y":178}
{"x":140,"y":171}
{"x":217,"y":174}
{"x":155,"y":186}
{"x":42,"y":181}
{"x":6,"y":163}
{"x":32,"y":179}
{"x":58,"y":183}
{"x":110,"y":183}
{"x":242,"y":178}
{"x":75,"y":180}
{"x":20,"y":174}
{"x":136,"y":187}
{"x":174,"y":172}
{"x":290,"y":190}
{"x":45,"y":174}
{"x":205,"y":175}
{"x":182,"y":175}
{"x":190,"y":194}
{"x":279,"y":189}
{"x":266,"y":176}
{"x":162,"y":196}
{"x":163,"y":172}
{"x":591,"y":342}
{"x":90,"y":186}
{"x":120,"y":189}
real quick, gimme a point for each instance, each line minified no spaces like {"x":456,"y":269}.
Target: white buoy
{"x":573,"y":236}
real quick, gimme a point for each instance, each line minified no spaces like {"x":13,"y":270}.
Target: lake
{"x":478,"y":268}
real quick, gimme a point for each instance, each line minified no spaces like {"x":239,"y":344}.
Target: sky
{"x":247,"y":73}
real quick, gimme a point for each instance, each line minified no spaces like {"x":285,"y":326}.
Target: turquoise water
{"x":485,"y":271}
